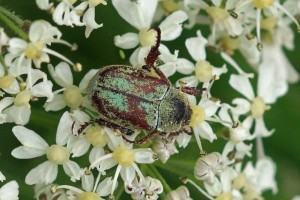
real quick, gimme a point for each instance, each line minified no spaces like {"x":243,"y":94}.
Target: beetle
{"x":130,"y":98}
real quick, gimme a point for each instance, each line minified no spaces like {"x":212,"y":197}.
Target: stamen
{"x":235,"y":65}
{"x":97,"y":182}
{"x":260,"y":148}
{"x":54,"y":53}
{"x":69,"y":187}
{"x":280,"y":7}
{"x":220,"y":121}
{"x":139,"y":172}
{"x":198,"y":142}
{"x":199,"y":189}
{"x":118,"y":170}
{"x":258,"y":16}
{"x":94,"y":164}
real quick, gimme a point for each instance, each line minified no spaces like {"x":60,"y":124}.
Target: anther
{"x":74,"y":47}
{"x":53,"y":189}
{"x":259,"y":46}
{"x":184,"y":180}
{"x":235,"y":124}
{"x":250,"y":36}
{"x":233,"y":14}
{"x":155,"y":156}
{"x":87,"y":172}
{"x":203,"y":153}
{"x":77,"y":67}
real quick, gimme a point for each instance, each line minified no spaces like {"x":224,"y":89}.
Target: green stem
{"x":3,"y":64}
{"x":13,"y":26}
{"x":12,"y":16}
{"x":154,"y":173}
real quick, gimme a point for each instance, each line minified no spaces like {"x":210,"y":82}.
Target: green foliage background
{"x":98,"y":50}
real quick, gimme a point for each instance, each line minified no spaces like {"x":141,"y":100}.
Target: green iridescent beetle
{"x":130,"y":98}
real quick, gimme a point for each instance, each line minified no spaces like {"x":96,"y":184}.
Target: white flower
{"x":222,"y":187}
{"x":20,"y":109}
{"x":255,"y":107}
{"x":208,"y":166}
{"x":180,"y":193}
{"x":66,"y":13}
{"x":202,"y":113}
{"x":41,"y":34}
{"x":164,"y":147}
{"x":125,"y":157}
{"x":203,"y":70}
{"x":262,"y":176}
{"x":10,"y":191}
{"x":34,"y":146}
{"x":72,"y":95}
{"x":141,"y":17}
{"x":222,"y":19}
{"x":147,"y":189}
{"x":44,"y":4}
{"x":91,"y":188}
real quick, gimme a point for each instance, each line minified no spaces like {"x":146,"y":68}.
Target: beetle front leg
{"x":153,"y":55}
{"x":192,"y":90}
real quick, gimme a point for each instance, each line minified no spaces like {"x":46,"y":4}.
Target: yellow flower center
{"x":124,"y":156}
{"x":96,"y":136}
{"x":239,"y":182}
{"x":258,"y":107}
{"x":198,"y":115}
{"x":218,"y":14}
{"x":230,"y":44}
{"x":147,"y":37}
{"x":225,"y":196}
{"x":203,"y":71}
{"x":73,"y":97}
{"x":23,"y":98}
{"x":94,"y":3}
{"x":268,"y":23}
{"x":262,"y":4}
{"x":72,"y":1}
{"x":89,"y":196}
{"x":252,"y":194}
{"x":58,"y":154}
{"x":6,"y":81}
{"x":34,"y":50}
{"x":170,"y":5}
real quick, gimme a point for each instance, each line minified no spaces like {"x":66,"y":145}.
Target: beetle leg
{"x":103,"y":123}
{"x":143,"y":139}
{"x":192,"y":90}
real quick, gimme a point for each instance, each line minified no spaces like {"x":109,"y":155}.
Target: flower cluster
{"x":107,"y":157}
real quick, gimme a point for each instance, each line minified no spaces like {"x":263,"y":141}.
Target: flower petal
{"x":72,"y":169}
{"x":28,"y":138}
{"x":242,"y":84}
{"x":137,"y":13}
{"x":144,"y":155}
{"x":10,"y":191}
{"x":196,"y":46}
{"x":44,"y":173}
{"x":127,"y":40}
{"x":27,"y":152}
{"x":171,"y":27}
